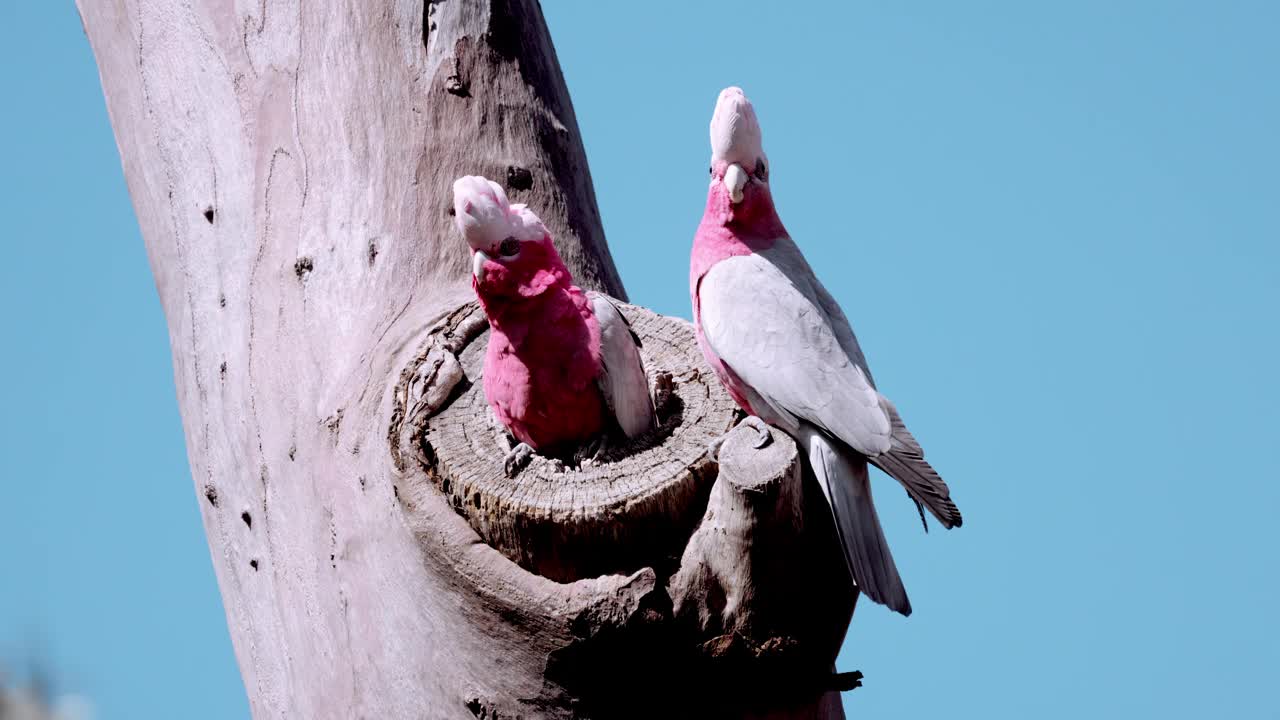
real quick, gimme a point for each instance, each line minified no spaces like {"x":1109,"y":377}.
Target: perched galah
{"x":784,"y":350}
{"x":563,"y":367}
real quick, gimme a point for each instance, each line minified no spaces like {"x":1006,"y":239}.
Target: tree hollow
{"x":632,"y":506}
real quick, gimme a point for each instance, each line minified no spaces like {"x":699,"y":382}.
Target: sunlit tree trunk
{"x":290,"y":165}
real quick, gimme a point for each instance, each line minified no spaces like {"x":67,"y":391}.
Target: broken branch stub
{"x":633,"y":506}
{"x":763,"y":575}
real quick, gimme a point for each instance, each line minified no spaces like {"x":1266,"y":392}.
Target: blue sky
{"x":1056,"y":228}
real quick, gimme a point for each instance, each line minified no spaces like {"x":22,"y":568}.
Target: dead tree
{"x":290,"y":165}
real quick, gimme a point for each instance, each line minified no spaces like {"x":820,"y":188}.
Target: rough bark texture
{"x":290,"y":167}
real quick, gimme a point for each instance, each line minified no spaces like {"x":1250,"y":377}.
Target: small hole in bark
{"x":211,"y":494}
{"x":519,"y":178}
{"x":254,"y":564}
{"x":208,"y":214}
{"x":222,"y":301}
{"x":222,"y":369}
{"x":373,"y":251}
{"x":293,"y":450}
{"x":362,"y":482}
{"x":334,"y":423}
{"x":455,"y":86}
{"x":247,"y":518}
{"x":303,"y":266}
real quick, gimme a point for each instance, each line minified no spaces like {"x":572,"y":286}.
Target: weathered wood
{"x":763,"y":577}
{"x":289,"y":165}
{"x":760,"y":564}
{"x":632,"y":506}
{"x":732,"y":605}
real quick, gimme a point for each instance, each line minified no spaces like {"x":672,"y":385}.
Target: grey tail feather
{"x":842,"y":476}
{"x":922,"y":483}
{"x":905,"y":463}
{"x":920,"y":509}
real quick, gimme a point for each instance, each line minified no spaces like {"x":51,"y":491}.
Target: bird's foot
{"x":664,"y":387}
{"x":590,"y":451}
{"x":517,"y":459}
{"x":764,"y":436}
{"x":713,"y":447}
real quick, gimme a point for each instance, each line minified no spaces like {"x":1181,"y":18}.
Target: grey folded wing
{"x":774,"y":335}
{"x":622,"y":379}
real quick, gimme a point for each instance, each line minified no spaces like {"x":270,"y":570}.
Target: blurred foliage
{"x":33,"y":700}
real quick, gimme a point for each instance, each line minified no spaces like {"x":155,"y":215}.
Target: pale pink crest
{"x":485,"y":217}
{"x":735,"y":131}
{"x":526,"y":223}
{"x":480,"y":211}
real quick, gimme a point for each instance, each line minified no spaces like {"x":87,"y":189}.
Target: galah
{"x":786,"y":353}
{"x":563,"y":366}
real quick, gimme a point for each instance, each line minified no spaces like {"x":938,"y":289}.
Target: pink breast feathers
{"x":541,"y":370}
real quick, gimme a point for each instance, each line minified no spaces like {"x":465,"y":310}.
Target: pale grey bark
{"x":290,"y":166}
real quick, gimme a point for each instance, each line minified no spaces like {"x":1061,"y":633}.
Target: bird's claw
{"x":664,"y":387}
{"x":591,"y":451}
{"x":763,"y":435}
{"x":713,"y":448}
{"x":517,"y":459}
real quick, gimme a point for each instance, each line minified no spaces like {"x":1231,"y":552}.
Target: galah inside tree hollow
{"x":562,"y":367}
{"x":785,"y":351}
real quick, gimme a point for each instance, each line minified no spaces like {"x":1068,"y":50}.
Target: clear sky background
{"x":1055,"y":226}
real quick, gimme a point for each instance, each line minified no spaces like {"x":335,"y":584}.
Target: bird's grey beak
{"x":734,"y":179}
{"x":478,"y":259}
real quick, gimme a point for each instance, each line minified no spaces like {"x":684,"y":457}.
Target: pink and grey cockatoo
{"x":786,"y":353}
{"x":563,"y":366}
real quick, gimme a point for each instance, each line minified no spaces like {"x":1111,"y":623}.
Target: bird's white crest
{"x":735,"y":131}
{"x":485,"y":218}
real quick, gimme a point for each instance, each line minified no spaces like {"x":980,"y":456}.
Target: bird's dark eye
{"x":711,"y":171}
{"x":761,"y":173}
{"x":509,"y":247}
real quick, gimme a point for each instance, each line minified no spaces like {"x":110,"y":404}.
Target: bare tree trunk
{"x":290,"y":167}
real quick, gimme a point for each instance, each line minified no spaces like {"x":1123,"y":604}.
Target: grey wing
{"x":768,"y":319}
{"x":774,"y":336}
{"x":622,"y":379}
{"x":787,"y":258}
